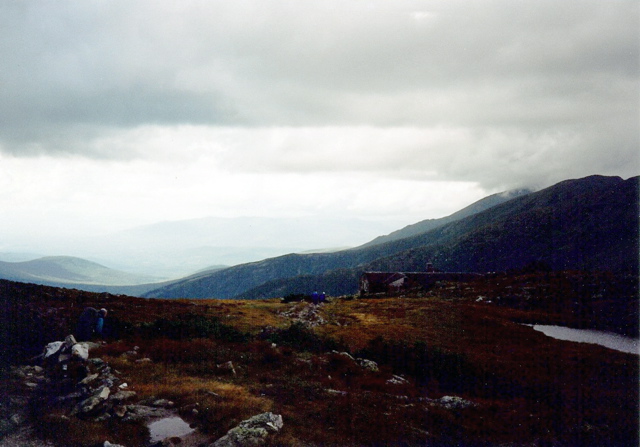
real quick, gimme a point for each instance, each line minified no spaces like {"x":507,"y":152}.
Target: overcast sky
{"x":121,"y":113}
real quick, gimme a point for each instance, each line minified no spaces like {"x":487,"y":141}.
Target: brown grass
{"x":530,"y":388}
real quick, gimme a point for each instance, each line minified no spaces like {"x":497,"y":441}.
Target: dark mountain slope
{"x":590,"y":223}
{"x":233,"y":281}
{"x":431,"y":224}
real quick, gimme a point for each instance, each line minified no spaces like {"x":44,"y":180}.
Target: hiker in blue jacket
{"x":90,"y":324}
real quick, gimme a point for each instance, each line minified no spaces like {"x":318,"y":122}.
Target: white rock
{"x":369,"y":365}
{"x":455,"y":402}
{"x":80,"y":351}
{"x":104,"y":393}
{"x":397,"y":380}
{"x":52,"y":348}
{"x":252,"y":432}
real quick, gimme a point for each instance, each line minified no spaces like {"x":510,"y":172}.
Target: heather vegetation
{"x":430,"y":368}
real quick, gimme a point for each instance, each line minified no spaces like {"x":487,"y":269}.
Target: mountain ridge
{"x":69,"y":271}
{"x":567,"y":225}
{"x":430,"y":224}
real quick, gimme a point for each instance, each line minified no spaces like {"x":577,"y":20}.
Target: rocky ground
{"x":64,"y":383}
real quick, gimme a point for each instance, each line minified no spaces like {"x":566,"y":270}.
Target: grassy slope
{"x":529,"y":387}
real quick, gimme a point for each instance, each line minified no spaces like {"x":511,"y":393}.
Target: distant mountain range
{"x":589,"y":223}
{"x":71,"y":272}
{"x":175,"y":249}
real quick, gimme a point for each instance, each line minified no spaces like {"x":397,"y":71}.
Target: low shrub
{"x":190,"y":327}
{"x":453,"y":372}
{"x":300,"y":337}
{"x":295,"y":298}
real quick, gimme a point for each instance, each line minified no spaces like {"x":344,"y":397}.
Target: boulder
{"x":369,"y":365}
{"x":136,"y":413}
{"x":69,"y":341}
{"x":252,"y":432}
{"x":162,"y":403}
{"x":122,"y":396}
{"x":92,"y":405}
{"x":455,"y":403}
{"x":80,"y":351}
{"x":397,"y":380}
{"x":89,"y":379}
{"x":51,"y":349}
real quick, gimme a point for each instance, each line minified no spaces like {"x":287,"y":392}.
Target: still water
{"x":169,"y":427}
{"x":606,"y":339}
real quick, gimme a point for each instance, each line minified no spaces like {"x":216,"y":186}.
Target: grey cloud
{"x":521,"y":70}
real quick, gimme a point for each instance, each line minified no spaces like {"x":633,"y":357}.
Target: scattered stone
{"x":227,"y":368}
{"x":252,"y":432}
{"x":144,"y":360}
{"x":344,"y":354}
{"x":51,"y":349}
{"x":71,"y":397}
{"x":369,"y":365}
{"x":455,"y":403}
{"x":17,"y":419}
{"x":142,"y":412}
{"x":92,"y":406}
{"x":80,"y":351}
{"x":397,"y":380}
{"x":119,"y":410}
{"x":89,"y":379}
{"x":162,"y":403}
{"x":104,"y":393}
{"x":336,"y":392}
{"x":305,"y":313}
{"x":108,"y":444}
{"x":122,"y":396}
{"x":70,"y":341}
{"x":212,"y":394}
{"x":97,"y":362}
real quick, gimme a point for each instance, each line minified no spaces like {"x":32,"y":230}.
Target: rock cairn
{"x":69,"y":384}
{"x":82,"y":387}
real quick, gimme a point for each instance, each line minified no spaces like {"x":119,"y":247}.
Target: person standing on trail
{"x":90,"y":324}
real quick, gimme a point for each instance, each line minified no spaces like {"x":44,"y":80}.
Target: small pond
{"x":607,"y":339}
{"x":169,"y":427}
